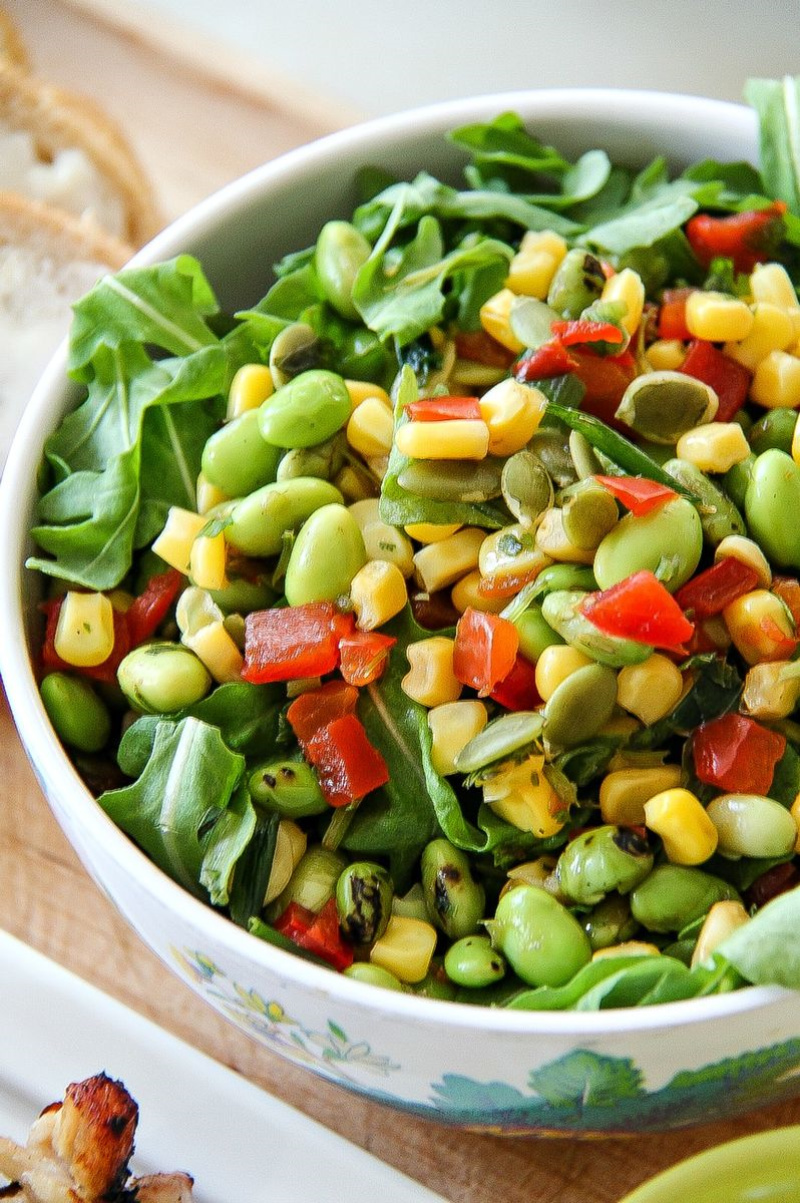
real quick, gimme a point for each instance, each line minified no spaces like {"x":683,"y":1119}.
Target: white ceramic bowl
{"x":504,"y":1071}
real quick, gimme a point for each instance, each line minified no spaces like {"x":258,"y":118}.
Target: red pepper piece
{"x":769,"y":885}
{"x":105,"y":672}
{"x":147,"y":611}
{"x":292,"y":642}
{"x":363,"y":656}
{"x":736,"y":754}
{"x":318,"y":707}
{"x":637,"y":493}
{"x":294,"y":921}
{"x":347,"y":764}
{"x":729,"y":379}
{"x":639,"y":608}
{"x":582,"y":331}
{"x":746,"y":238}
{"x":479,"y":347}
{"x":551,"y":359}
{"x":485,"y":650}
{"x":319,"y":934}
{"x":444,"y":409}
{"x":518,"y":691}
{"x":671,"y":321}
{"x":788,"y":590}
{"x":605,"y":378}
{"x":710,"y":591}
{"x":506,"y":584}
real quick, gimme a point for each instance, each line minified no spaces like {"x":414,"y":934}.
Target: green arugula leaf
{"x":766,"y":950}
{"x":777,"y":105}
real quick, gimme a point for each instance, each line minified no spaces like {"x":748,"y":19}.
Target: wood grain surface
{"x":193,"y":135}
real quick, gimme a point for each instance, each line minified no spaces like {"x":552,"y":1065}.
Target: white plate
{"x":237,"y":1141}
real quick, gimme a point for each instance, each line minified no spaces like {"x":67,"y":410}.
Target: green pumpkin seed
{"x":661,"y":406}
{"x":526,"y":487}
{"x":580,"y":706}
{"x":499,"y":739}
{"x":295,"y":350}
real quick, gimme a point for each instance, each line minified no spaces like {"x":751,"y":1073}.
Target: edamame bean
{"x":736,"y":480}
{"x":472,"y":962}
{"x":163,"y":678}
{"x":450,"y":480}
{"x":601,"y":860}
{"x":565,"y":576}
{"x":259,"y":521}
{"x":719,"y":517}
{"x":243,"y":594}
{"x":561,"y":611}
{"x":324,"y":460}
{"x":579,"y":280}
{"x":340,"y":252}
{"x":81,"y":720}
{"x":752,"y":825}
{"x":610,"y":922}
{"x":772,"y":503}
{"x":313,"y":882}
{"x":307,"y":410}
{"x":580,"y":706}
{"x":673,"y":896}
{"x":237,"y":460}
{"x":775,"y":429}
{"x":668,"y":541}
{"x":289,"y":787}
{"x":364,"y":894}
{"x":454,"y":900}
{"x":542,"y":941}
{"x":362,"y":356}
{"x":373,"y":975}
{"x":534,"y":633}
{"x":327,"y":554}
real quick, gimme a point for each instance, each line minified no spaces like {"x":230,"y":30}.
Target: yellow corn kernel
{"x":776,"y":381}
{"x":770,"y":283}
{"x":365,"y":511}
{"x":535,"y":263}
{"x":250,"y":387}
{"x":290,"y":845}
{"x":626,"y":286}
{"x":370,"y":428}
{"x":466,"y":595}
{"x":495,"y":319}
{"x":208,"y":495}
{"x":456,"y":438}
{"x":355,"y":484}
{"x":623,"y":792}
{"x":360,"y":390}
{"x":795,"y":813}
{"x":714,"y":446}
{"x":628,"y":948}
{"x":512,"y":552}
{"x":385,"y":542}
{"x":650,"y":690}
{"x":207,"y":561}
{"x":621,"y":725}
{"x":748,"y":551}
{"x":796,"y":442}
{"x":771,"y":690}
{"x":452,"y":726}
{"x":717,"y":317}
{"x":665,"y":355}
{"x":213,"y":645}
{"x":85,"y":631}
{"x":554,"y":665}
{"x":688,"y":835}
{"x":543,"y":240}
{"x":378,"y":465}
{"x":377,"y":593}
{"x":523,"y":796}
{"x":551,"y":538}
{"x":773,"y":330}
{"x":405,"y":948}
{"x":431,"y":532}
{"x":512,"y":412}
{"x":174,"y":544}
{"x":759,"y":625}
{"x":440,"y":565}
{"x":722,"y":919}
{"x":430,"y":679}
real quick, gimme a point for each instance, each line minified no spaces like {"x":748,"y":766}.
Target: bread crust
{"x":12,"y":47}
{"x":57,"y":234}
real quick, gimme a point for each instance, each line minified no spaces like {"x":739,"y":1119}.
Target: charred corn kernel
{"x":534,"y":265}
{"x":85,"y":630}
{"x":456,"y":438}
{"x":650,"y":690}
{"x":355,"y":484}
{"x":665,"y":355}
{"x":770,"y":283}
{"x":370,"y":428}
{"x":623,"y":792}
{"x":452,"y":726}
{"x":722,"y":919}
{"x":523,"y":796}
{"x":771,"y":690}
{"x":512,"y":412}
{"x":759,"y":625}
{"x":717,"y":317}
{"x":430,"y":679}
{"x":628,"y":948}
{"x":748,"y":551}
{"x":214,"y":645}
{"x":405,"y":948}
{"x":250,"y":387}
{"x":795,"y":813}
{"x":174,"y":544}
{"x":208,"y":495}
{"x":466,"y":595}
{"x":207,"y":561}
{"x":626,"y":286}
{"x":440,"y":565}
{"x":290,"y":844}
{"x":773,"y":330}
{"x":495,"y":319}
{"x":361,"y":390}
{"x":551,"y":538}
{"x":511,"y":552}
{"x":377,"y":593}
{"x":776,"y":381}
{"x":554,"y":665}
{"x":687,"y":833}
{"x":431,"y":532}
{"x":714,"y":446}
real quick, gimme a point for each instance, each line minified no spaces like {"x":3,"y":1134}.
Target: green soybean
{"x":775,"y":429}
{"x":718,"y":515}
{"x":579,"y":280}
{"x":542,"y":941}
{"x":295,"y":350}
{"x":673,"y":896}
{"x":534,"y":633}
{"x":340,"y":252}
{"x":364,"y":894}
{"x":472,"y":962}
{"x":610,"y":922}
{"x":561,"y":611}
{"x":80,"y":718}
{"x":752,"y":825}
{"x":454,"y":900}
{"x":288,"y":787}
{"x":237,"y":460}
{"x":308,"y":409}
{"x":373,"y":975}
{"x":772,"y":503}
{"x":327,"y":554}
{"x":601,"y":860}
{"x":163,"y":678}
{"x":323,"y":460}
{"x":362,"y":356}
{"x":668,"y":541}
{"x":736,"y":480}
{"x":259,"y":521}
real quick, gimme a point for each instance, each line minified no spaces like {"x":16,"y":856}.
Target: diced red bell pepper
{"x":506,"y":584}
{"x":788,"y":590}
{"x":319,"y":934}
{"x":363,"y":656}
{"x":605,"y":379}
{"x":292,"y":642}
{"x":485,"y":650}
{"x":105,"y":672}
{"x":317,"y":707}
{"x":551,"y":359}
{"x":671,"y":322}
{"x":444,"y":409}
{"x":294,"y":921}
{"x":147,"y":611}
{"x":746,"y":238}
{"x":712,"y":590}
{"x":347,"y":764}
{"x":479,"y":347}
{"x":736,"y":754}
{"x":582,"y":331}
{"x":637,"y":493}
{"x":639,"y":608}
{"x":517,"y":691}
{"x":729,"y":379}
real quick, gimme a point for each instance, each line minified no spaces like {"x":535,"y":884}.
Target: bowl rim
{"x":59,"y":777}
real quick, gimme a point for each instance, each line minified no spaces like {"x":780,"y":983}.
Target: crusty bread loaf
{"x":12,"y":47}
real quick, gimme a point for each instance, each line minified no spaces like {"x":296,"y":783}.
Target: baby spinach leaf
{"x":655,"y":208}
{"x":777,"y":105}
{"x":227,"y":842}
{"x":505,"y":142}
{"x":766,"y":950}
{"x":248,"y":716}
{"x":252,"y":871}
